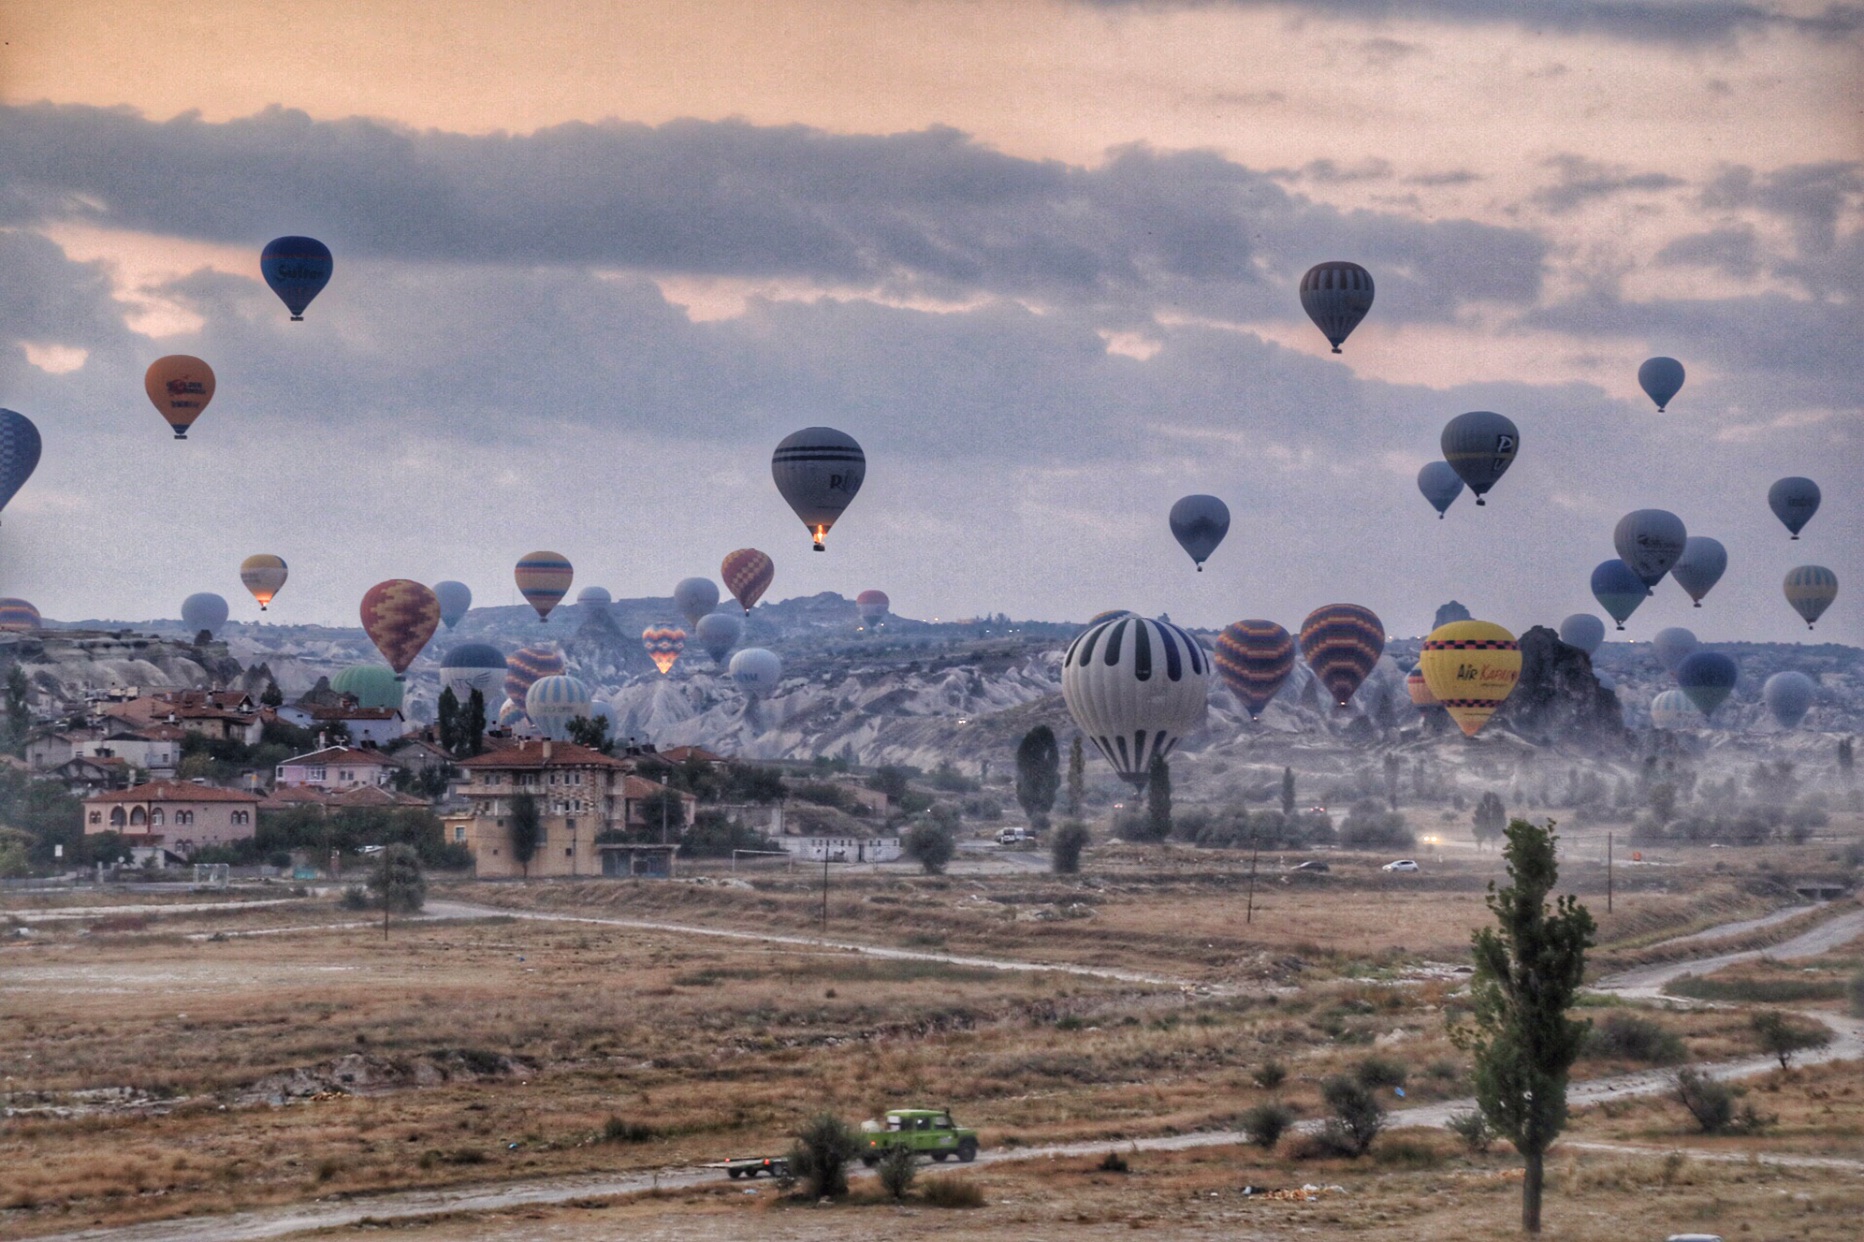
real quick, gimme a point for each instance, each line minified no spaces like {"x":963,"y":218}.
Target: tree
{"x":18,"y":708}
{"x":447,"y":721}
{"x":397,"y":880}
{"x":1158,"y":799}
{"x":897,"y":1169}
{"x":527,"y":829}
{"x":272,"y":696}
{"x":930,"y":845}
{"x":820,"y":1156}
{"x":1077,"y":778}
{"x":1780,"y":1037}
{"x":1287,"y":791}
{"x":1394,"y":769}
{"x":1358,"y":1116}
{"x":593,"y":733}
{"x":1038,"y":775}
{"x":1066,"y":846}
{"x":1490,"y":818}
{"x":1846,"y":758}
{"x":1528,"y":972}
{"x":472,"y":729}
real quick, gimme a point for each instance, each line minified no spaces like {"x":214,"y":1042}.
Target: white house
{"x":843,"y":849}
{"x":337,"y":767}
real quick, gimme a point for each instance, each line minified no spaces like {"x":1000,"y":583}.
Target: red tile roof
{"x":529,"y":756}
{"x":640,"y":787}
{"x":175,"y":791}
{"x":343,"y":754}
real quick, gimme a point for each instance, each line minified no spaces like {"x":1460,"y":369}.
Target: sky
{"x":594,"y":260}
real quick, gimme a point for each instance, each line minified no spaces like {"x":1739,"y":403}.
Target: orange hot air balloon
{"x":1471,"y":666}
{"x":180,"y":388}
{"x":748,"y":573}
{"x":664,"y":644}
{"x":399,"y":616}
{"x":263,"y":575}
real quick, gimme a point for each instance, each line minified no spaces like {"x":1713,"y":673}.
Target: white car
{"x":1013,"y":836}
{"x":1402,"y":864}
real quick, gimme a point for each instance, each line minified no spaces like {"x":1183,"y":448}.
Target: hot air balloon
{"x":1440,"y":484}
{"x":1810,"y":589}
{"x":18,"y":617}
{"x":180,"y":388}
{"x":1254,"y":658}
{"x":818,"y":470}
{"x":1584,"y":631}
{"x":511,"y":717}
{"x":664,"y":644}
{"x":1471,"y":666}
{"x":399,"y":616}
{"x":1419,"y":690}
{"x":297,"y":268}
{"x":1700,"y":567}
{"x":544,"y":579}
{"x":748,"y":574}
{"x":1480,"y":446}
{"x":1199,"y":524}
{"x":1789,"y":696}
{"x":594,"y":597}
{"x":695,"y":597}
{"x":1660,"y":378}
{"x":1136,"y":687}
{"x":1794,"y":500}
{"x":1708,"y":678}
{"x":473,"y":666}
{"x":718,"y":633}
{"x":1341,"y":643}
{"x":873,"y":606}
{"x":1618,"y":589}
{"x":1650,"y":541}
{"x":527,"y":665}
{"x":756,"y":671}
{"x":552,"y":702}
{"x":19,"y":453}
{"x":1672,"y":710}
{"x":204,"y":611}
{"x":263,"y":575}
{"x":1336,"y":296}
{"x":1672,"y":646}
{"x":455,"y":601}
{"x":371,"y":685}
{"x":1109,"y":615}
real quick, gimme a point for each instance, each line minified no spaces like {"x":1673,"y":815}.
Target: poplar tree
{"x":1158,"y":799}
{"x":1287,"y":791}
{"x":526,"y":828}
{"x":1038,"y":775}
{"x":1077,"y":778}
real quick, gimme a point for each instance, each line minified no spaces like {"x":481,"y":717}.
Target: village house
{"x":83,"y":774}
{"x":180,"y":815}
{"x":49,"y":748}
{"x":337,"y":767}
{"x":222,"y":715}
{"x":366,"y":726}
{"x":156,"y":750}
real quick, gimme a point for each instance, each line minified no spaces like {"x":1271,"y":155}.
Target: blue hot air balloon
{"x":1708,"y":678}
{"x":1660,"y":378}
{"x":1584,"y":631}
{"x":1336,"y":296}
{"x":1480,"y":446}
{"x":1440,"y":484}
{"x":455,"y":599}
{"x":1199,"y":524}
{"x":1789,"y":696}
{"x":473,"y":666}
{"x":1700,"y":567}
{"x":297,"y":268}
{"x":1794,"y":500}
{"x":204,"y":611}
{"x":1618,"y":589}
{"x":1650,"y":541}
{"x":19,"y":453}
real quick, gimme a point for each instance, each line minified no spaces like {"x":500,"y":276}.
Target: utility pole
{"x":825,"y":888}
{"x":1255,"y":843}
{"x":1608,"y":873}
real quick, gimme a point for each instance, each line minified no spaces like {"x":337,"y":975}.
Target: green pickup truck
{"x":928,"y":1130}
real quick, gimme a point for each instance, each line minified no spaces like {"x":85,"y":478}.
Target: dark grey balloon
{"x":1584,"y":631}
{"x":1650,"y":541}
{"x":1199,"y":524}
{"x":1794,"y":500}
{"x":1480,"y":446}
{"x":1701,"y":566}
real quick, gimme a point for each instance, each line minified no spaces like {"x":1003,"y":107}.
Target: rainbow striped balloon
{"x":527,"y":665}
{"x":544,"y":579}
{"x":1254,"y":659}
{"x":17,"y":616}
{"x":1342,"y":643}
{"x":664,"y":644}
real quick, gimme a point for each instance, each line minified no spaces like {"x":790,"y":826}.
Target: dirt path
{"x":1647,"y":982}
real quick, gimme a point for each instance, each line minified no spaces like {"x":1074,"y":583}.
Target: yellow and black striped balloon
{"x":1471,"y":666}
{"x":1342,"y":643}
{"x":1254,"y":659}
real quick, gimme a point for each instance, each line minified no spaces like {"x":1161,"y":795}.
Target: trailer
{"x":750,"y":1166}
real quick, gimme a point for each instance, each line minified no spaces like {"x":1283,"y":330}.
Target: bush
{"x":1270,"y":1075}
{"x":615,"y":1130}
{"x":1266,"y":1123}
{"x":355,"y":897}
{"x":1357,"y":1115}
{"x":1473,"y":1128}
{"x":821,"y":1154}
{"x":1632,"y":1037}
{"x":897,"y":1170}
{"x":1066,"y":845}
{"x":1855,"y":991}
{"x":1113,"y":1162}
{"x":931,"y":846}
{"x":1781,"y":1037}
{"x":1711,"y":1103}
{"x":1369,"y":825}
{"x":397,"y":881}
{"x":1379,"y":1072}
{"x":952,"y":1192}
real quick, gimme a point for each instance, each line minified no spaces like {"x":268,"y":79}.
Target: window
{"x":183,"y":817}
{"x":459,"y":832}
{"x":138,"y":818}
{"x":97,"y":817}
{"x":155,"y":818}
{"x":314,"y":774}
{"x":571,"y":824}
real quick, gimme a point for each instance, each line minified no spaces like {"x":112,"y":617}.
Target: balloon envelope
{"x":1618,"y":589}
{"x":263,"y":575}
{"x":595,"y":597}
{"x":1336,"y":295}
{"x":1672,"y":710}
{"x":748,"y":573}
{"x":1341,"y":643}
{"x":297,"y":268}
{"x":1708,"y":678}
{"x":511,"y":716}
{"x":756,"y":671}
{"x":818,"y":470}
{"x":455,"y":601}
{"x":1480,"y":446}
{"x":1136,"y":687}
{"x":18,"y":617}
{"x":664,"y":644}
{"x":473,"y":666}
{"x":399,"y":616}
{"x":1650,"y":541}
{"x":204,"y":611}
{"x":1701,"y":566}
{"x":718,"y":633}
{"x":552,"y":702}
{"x":19,"y":453}
{"x":1440,"y":484}
{"x":1254,"y":659}
{"x":371,"y":685}
{"x":1199,"y":524}
{"x":1672,"y":646}
{"x":179,"y":386}
{"x":544,"y":579}
{"x":1584,"y":631}
{"x":872,"y":605}
{"x":1660,"y":378}
{"x":528,"y":665}
{"x":1789,"y":696}
{"x":1472,"y":667}
{"x":1810,"y":589}
{"x":1419,"y":689}
{"x":1794,"y":500}
{"x":695,"y":597}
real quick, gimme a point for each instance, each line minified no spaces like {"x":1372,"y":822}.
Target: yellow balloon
{"x":1471,"y":666}
{"x":179,"y":387}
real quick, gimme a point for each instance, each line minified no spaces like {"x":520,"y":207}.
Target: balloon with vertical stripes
{"x":1137,"y":688}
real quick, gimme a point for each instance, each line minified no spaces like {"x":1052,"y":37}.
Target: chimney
{"x":546,"y":750}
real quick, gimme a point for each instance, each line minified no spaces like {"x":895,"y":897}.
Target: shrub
{"x":1855,"y":991}
{"x":931,"y":846}
{"x":1112,"y":1162}
{"x":1066,"y":845}
{"x":1473,"y":1128}
{"x":1711,"y":1103}
{"x":897,"y":1170}
{"x":1379,"y":1072}
{"x":1369,"y":825}
{"x":952,"y":1192}
{"x":1632,"y":1037}
{"x":1266,"y":1123}
{"x":355,"y":897}
{"x":1270,"y":1075}
{"x":1357,"y":1115}
{"x":615,"y":1130}
{"x":1781,"y":1037}
{"x":820,"y":1156}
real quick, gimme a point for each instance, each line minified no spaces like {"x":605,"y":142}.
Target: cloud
{"x":1734,"y":250}
{"x":1583,"y":181}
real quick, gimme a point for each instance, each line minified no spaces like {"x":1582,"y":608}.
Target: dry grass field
{"x":166,"y":1064}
